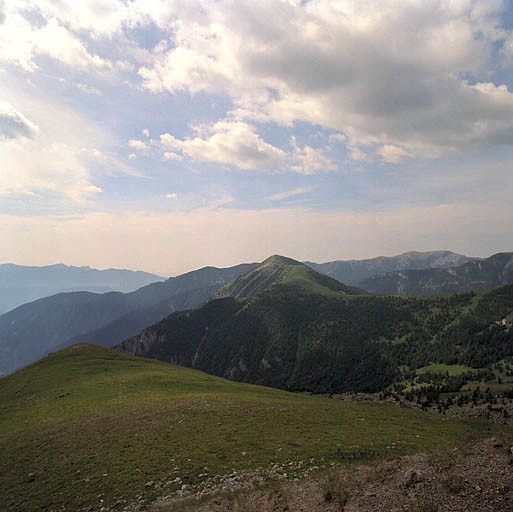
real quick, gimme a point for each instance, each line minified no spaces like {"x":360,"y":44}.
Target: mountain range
{"x":353,"y":272}
{"x":289,"y":327}
{"x":34,"y":329}
{"x":497,"y":270}
{"x":20,"y":284}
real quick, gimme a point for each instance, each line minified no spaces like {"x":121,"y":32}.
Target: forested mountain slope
{"x":289,"y":338}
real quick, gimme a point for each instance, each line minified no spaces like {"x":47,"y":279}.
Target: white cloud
{"x":93,"y":189}
{"x":21,"y":42}
{"x":37,"y":169}
{"x":138,"y":145}
{"x":289,"y":193}
{"x":392,"y":154}
{"x":146,"y":132}
{"x":384,"y":73}
{"x":132,"y":156}
{"x":237,"y":144}
{"x":14,"y":125}
{"x":169,"y":155}
{"x":309,"y":160}
{"x":233,"y":143}
{"x":171,"y":196}
{"x":51,"y":157}
{"x":57,"y":42}
{"x":88,"y":89}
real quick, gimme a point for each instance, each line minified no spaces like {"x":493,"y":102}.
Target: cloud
{"x":237,"y":144}
{"x":132,"y":156}
{"x":21,"y":42}
{"x":382,"y":73}
{"x":50,"y":156}
{"x":169,"y":155}
{"x":93,"y":189}
{"x":392,"y":154}
{"x":56,"y":41}
{"x":288,"y":193}
{"x":171,"y":196}
{"x":88,"y":89}
{"x":14,"y":125}
{"x":309,"y":160}
{"x":414,"y":75}
{"x":233,"y":143}
{"x":138,"y":145}
{"x":55,"y":171}
{"x":146,"y":132}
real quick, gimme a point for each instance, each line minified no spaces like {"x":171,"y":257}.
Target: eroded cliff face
{"x":139,"y":345}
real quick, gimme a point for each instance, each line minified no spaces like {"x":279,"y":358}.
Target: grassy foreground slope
{"x":88,"y":427}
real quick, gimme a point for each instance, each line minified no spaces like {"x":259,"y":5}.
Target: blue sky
{"x":171,"y":135}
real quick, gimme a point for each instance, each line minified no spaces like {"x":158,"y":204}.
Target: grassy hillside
{"x":90,"y":427}
{"x":277,"y":270}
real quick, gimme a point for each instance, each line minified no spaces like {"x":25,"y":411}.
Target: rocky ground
{"x":475,"y":478}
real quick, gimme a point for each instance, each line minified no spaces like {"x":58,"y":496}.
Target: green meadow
{"x":450,"y":369}
{"x":90,"y":427}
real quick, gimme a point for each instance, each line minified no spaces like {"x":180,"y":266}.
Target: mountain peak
{"x":280,"y":260}
{"x":280,"y":270}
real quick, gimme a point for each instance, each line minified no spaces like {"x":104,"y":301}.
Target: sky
{"x":170,"y":135}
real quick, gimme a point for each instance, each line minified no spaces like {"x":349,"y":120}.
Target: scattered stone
{"x":413,"y":477}
{"x":151,"y":483}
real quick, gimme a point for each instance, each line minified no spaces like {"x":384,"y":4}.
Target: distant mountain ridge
{"x":353,"y":272}
{"x":21,"y":284}
{"x":497,"y":270}
{"x":34,"y":329}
